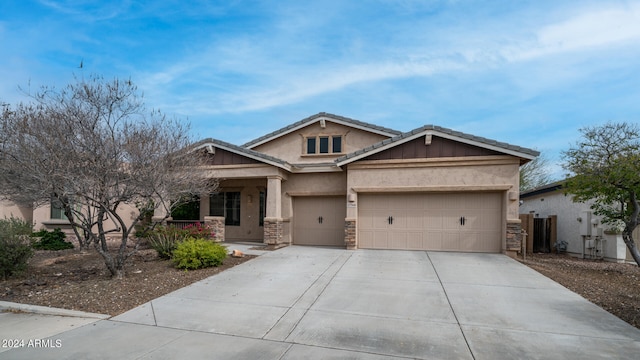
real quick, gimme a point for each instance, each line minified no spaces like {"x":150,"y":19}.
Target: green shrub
{"x":15,"y":252}
{"x":14,"y":226}
{"x":198,"y":253}
{"x":51,"y":240}
{"x":164,"y":239}
{"x":15,"y":249}
{"x":164,"y":243}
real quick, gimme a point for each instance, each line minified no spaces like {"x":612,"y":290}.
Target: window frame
{"x":56,"y":210}
{"x":324,"y":144}
{"x":263,"y":208}
{"x":231,"y":206}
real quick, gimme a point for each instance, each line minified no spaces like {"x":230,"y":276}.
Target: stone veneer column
{"x":514,"y":237}
{"x":273,"y":223}
{"x":216,"y":223}
{"x":273,"y":231}
{"x":350,"y":233}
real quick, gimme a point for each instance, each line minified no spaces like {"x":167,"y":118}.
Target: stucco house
{"x":328,"y":180}
{"x":572,"y":218}
{"x":11,"y":210}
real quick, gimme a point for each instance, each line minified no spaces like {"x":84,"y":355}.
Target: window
{"x":263,"y":208}
{"x":324,"y":144}
{"x":337,"y":144}
{"x":57,"y":210}
{"x":187,"y":211}
{"x":226,"y":204}
{"x":311,"y":145}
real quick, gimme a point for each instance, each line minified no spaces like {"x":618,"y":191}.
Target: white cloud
{"x":271,"y":69}
{"x":593,"y":29}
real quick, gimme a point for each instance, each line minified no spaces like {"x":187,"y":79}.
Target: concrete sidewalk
{"x":304,"y":302}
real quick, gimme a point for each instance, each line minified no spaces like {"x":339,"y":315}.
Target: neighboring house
{"x":550,"y":200}
{"x":329,"y":180}
{"x":50,"y":216}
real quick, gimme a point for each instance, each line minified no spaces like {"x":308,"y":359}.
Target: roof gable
{"x":232,"y":154}
{"x":428,"y":132}
{"x":319,"y":118}
{"x":438,"y":147}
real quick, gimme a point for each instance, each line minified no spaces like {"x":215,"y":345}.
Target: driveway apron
{"x":306,"y":302}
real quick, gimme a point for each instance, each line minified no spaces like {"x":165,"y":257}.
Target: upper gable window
{"x":324,"y":144}
{"x":337,"y":144}
{"x":311,"y":145}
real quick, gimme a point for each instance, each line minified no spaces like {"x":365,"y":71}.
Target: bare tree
{"x":535,"y":173}
{"x":92,"y":147}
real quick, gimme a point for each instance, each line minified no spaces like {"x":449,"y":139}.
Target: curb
{"x":44,"y":310}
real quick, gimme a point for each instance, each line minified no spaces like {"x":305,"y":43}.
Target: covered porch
{"x":246,"y":207}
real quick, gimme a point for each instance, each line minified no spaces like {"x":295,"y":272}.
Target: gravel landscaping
{"x":614,"y":287}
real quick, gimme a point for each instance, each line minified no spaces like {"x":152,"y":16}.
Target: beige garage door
{"x":319,"y":220}
{"x":469,"y":222}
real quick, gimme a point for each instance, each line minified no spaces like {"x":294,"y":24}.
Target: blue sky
{"x":530,"y":73}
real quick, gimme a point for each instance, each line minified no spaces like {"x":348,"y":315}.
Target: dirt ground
{"x":614,"y":287}
{"x":71,"y":280}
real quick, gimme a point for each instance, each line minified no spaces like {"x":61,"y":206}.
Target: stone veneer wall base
{"x":273,"y":231}
{"x":514,"y":237}
{"x":216,"y":223}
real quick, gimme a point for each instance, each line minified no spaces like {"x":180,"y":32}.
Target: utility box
{"x":585,"y":223}
{"x":600,"y":232}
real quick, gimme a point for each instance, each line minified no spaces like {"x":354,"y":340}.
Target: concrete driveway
{"x":317,"y":303}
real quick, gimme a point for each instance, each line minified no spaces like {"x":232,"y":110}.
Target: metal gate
{"x":541,"y":235}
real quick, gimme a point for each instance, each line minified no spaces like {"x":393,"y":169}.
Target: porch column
{"x":273,"y":224}
{"x":350,"y":222}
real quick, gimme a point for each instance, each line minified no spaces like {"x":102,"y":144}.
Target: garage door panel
{"x":399,"y":220}
{"x":489,"y":240}
{"x":450,"y":241}
{"x":415,"y":240}
{"x":431,"y":221}
{"x":375,"y":219}
{"x":470,"y":241}
{"x":397,"y":240}
{"x":451,"y":219}
{"x":365,"y":239}
{"x":432,"y":240}
{"x":381,"y":240}
{"x":319,"y":220}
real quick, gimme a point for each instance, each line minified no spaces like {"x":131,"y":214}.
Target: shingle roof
{"x":291,"y":127}
{"x":398,"y":138}
{"x":241,"y":150}
{"x":557,"y":185}
{"x":441,"y":130}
